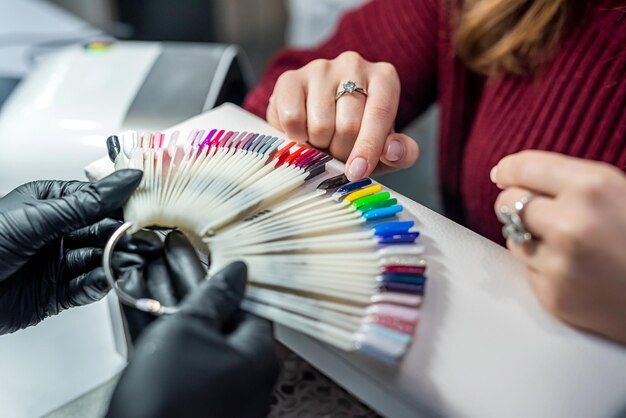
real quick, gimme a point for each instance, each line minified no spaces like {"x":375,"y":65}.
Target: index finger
{"x":540,"y":171}
{"x":51,"y":189}
{"x":378,"y":118}
{"x":184,"y":266}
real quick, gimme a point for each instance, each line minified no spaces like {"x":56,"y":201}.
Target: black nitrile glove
{"x":209,"y":359}
{"x":170,"y":277}
{"x":51,"y":239}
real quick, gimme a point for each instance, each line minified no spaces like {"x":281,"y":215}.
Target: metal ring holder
{"x":149,"y":305}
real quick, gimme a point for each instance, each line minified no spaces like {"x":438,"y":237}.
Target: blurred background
{"x":259,"y":27}
{"x":73,"y":72}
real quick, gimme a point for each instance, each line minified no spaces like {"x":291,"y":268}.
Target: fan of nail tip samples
{"x":326,"y":257}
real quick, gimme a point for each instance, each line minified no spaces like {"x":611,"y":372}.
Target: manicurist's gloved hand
{"x":51,"y":235}
{"x":209,"y":359}
{"x":168,"y":278}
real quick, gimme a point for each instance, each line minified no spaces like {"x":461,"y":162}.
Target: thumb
{"x":400,"y":151}
{"x":218,"y":298}
{"x":52,"y":218}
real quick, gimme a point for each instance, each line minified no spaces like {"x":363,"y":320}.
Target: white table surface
{"x":484,"y":347}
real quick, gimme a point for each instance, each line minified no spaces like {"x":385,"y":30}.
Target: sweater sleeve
{"x":401,"y":32}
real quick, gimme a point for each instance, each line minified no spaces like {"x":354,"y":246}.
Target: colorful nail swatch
{"x":339,"y":262}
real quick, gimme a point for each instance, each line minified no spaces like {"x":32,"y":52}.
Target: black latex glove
{"x":50,"y":245}
{"x":167,"y":278}
{"x":209,"y":359}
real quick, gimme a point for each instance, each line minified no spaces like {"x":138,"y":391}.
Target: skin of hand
{"x":209,"y":359}
{"x":51,"y":239}
{"x":577,"y":260}
{"x":355,"y":128}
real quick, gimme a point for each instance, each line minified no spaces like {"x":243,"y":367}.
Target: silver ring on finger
{"x":350,"y":87}
{"x":513,"y":225}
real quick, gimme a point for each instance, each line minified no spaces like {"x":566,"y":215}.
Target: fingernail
{"x":395,"y":151}
{"x":492,"y":174}
{"x":357,"y":169}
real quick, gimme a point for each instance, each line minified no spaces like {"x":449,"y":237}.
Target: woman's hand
{"x":356,"y":129}
{"x":577,"y":259}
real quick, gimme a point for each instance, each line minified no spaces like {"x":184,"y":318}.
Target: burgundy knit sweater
{"x":575,"y":104}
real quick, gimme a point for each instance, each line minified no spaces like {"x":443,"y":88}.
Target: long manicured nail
{"x":395,"y":151}
{"x":357,"y":169}
{"x":493,"y":173}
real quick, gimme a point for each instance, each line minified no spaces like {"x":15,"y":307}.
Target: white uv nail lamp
{"x":52,"y":124}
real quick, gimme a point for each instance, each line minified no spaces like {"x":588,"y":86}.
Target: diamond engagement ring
{"x":350,"y":87}
{"x":514,"y":227}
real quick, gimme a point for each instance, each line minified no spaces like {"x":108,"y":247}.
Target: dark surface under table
{"x":302,"y":391}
